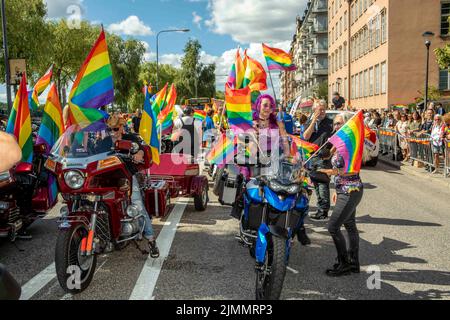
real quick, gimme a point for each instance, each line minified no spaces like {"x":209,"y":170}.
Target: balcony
{"x":320,"y":71}
{"x":319,"y":29}
{"x":319,"y":50}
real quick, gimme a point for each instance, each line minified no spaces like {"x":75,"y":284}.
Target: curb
{"x":408,"y":170}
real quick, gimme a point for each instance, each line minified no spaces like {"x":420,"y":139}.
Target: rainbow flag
{"x":278,"y":59}
{"x":158,"y":101}
{"x":52,"y":125}
{"x":222,"y":151}
{"x":239,"y":108}
{"x":237,"y":73}
{"x":40,"y":87}
{"x":200,"y":115}
{"x":349,"y":143}
{"x":147,"y":129}
{"x":19,"y":123}
{"x":305,"y":148}
{"x":85,"y":117}
{"x":165,"y":118}
{"x":94,"y":86}
{"x":255,"y":76}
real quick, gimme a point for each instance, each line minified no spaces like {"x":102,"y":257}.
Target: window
{"x":332,"y":35}
{"x":356,"y":86}
{"x":383,"y":27}
{"x":445,"y":14}
{"x":366,"y":83}
{"x":345,"y":20}
{"x":345,"y":54}
{"x":378,"y":27}
{"x":377,"y":79}
{"x":340,"y":57}
{"x":360,"y":9}
{"x":345,"y":88}
{"x":361,"y":85}
{"x":383,"y":77}
{"x":352,"y":91}
{"x":444,"y":80}
{"x":341,"y":26}
{"x":371,"y":82}
{"x":372,"y":34}
{"x":336,"y":57}
{"x":352,"y":14}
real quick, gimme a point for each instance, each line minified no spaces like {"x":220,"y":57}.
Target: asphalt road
{"x":405,"y":233}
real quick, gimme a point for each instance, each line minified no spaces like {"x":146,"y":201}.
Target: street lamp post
{"x":427,"y":35}
{"x":6,"y":56}
{"x":157,"y":51}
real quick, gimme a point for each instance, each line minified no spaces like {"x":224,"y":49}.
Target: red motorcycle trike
{"x":25,"y":196}
{"x":96,"y":185}
{"x":183,"y":178}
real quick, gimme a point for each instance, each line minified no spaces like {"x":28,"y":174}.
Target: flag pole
{"x":273,"y":88}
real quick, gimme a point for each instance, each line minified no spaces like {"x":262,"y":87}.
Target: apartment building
{"x":377,"y":54}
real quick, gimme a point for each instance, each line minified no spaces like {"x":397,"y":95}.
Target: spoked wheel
{"x":201,"y":200}
{"x":74,"y":271}
{"x":270,"y":278}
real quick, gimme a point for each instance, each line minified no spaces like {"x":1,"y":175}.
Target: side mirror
{"x":9,"y":288}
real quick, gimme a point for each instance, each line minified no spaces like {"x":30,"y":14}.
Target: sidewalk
{"x":437,"y":179}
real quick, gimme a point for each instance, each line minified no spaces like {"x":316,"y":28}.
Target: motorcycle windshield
{"x":83,"y":142}
{"x":286,"y":164}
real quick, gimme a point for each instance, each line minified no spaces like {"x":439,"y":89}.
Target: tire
{"x":252,"y":252}
{"x":218,"y":177}
{"x":201,"y":200}
{"x":67,"y":254}
{"x":269,"y":287}
{"x":372,"y":162}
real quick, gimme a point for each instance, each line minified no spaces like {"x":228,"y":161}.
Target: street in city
{"x":404,"y":237}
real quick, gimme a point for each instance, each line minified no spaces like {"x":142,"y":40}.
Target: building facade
{"x":309,"y":49}
{"x":377,"y":54}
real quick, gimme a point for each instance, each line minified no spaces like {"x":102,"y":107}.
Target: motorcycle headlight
{"x":132,"y":211}
{"x":4,"y":175}
{"x":275,"y":186}
{"x":74,"y":179}
{"x":293,"y":189}
{"x":4,"y":205}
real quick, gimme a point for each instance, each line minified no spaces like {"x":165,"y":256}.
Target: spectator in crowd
{"x":303,"y":119}
{"x":338,"y":101}
{"x":401,"y":128}
{"x":431,"y":106}
{"x":286,"y":119}
{"x":427,"y":124}
{"x":137,"y":120}
{"x":440,"y":109}
{"x":391,"y":122}
{"x":415,"y":124}
{"x":446,"y":119}
{"x":437,"y":140}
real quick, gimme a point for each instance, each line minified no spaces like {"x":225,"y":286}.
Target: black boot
{"x":353,"y":258}
{"x":341,"y":269}
{"x":303,"y":237}
{"x":320,"y":215}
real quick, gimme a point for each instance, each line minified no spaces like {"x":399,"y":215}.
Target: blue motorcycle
{"x":274,"y":203}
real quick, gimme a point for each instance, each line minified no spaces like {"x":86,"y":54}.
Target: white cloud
{"x":63,"y":8}
{"x":196,"y":19}
{"x":248,"y":21}
{"x":131,"y":26}
{"x":173,"y":59}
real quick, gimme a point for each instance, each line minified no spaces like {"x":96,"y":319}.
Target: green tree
{"x":196,"y":78}
{"x":433,"y":95}
{"x":220,"y":95}
{"x":321,"y":90}
{"x":27,"y":35}
{"x":126,"y":58}
{"x":70,"y":48}
{"x":167,"y":74}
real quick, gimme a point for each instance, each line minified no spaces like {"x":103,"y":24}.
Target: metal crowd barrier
{"x":388,"y":142}
{"x":447,"y":158}
{"x":421,"y":150}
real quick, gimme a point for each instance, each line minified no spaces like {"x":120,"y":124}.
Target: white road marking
{"x":38,"y":282}
{"x":292,"y":270}
{"x":146,"y":283}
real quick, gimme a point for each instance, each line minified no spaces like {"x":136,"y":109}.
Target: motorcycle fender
{"x":261,"y":244}
{"x":279,"y":232}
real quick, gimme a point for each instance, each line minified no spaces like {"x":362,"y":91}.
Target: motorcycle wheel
{"x":270,"y":279}
{"x":201,"y":200}
{"x":67,"y":254}
{"x":219,"y":174}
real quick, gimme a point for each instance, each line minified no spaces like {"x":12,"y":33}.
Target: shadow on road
{"x":368,"y":219}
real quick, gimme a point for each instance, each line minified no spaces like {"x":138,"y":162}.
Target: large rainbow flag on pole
{"x":349,"y":143}
{"x":237,"y":73}
{"x":239,"y":108}
{"x":40,"y":87}
{"x":147,"y":129}
{"x":93,"y":86}
{"x":52,"y":125}
{"x":159,"y":101}
{"x":255,"y":76}
{"x":278,"y":59}
{"x":19,"y":123}
{"x":165,"y":118}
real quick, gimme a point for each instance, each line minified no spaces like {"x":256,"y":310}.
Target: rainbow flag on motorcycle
{"x":147,"y":129}
{"x":52,"y":125}
{"x":93,"y":87}
{"x":306,"y":149}
{"x":239,"y":108}
{"x":39,"y":88}
{"x":19,"y":123}
{"x":349,"y":143}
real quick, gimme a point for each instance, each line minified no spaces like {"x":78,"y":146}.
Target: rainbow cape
{"x":40,"y":87}
{"x":239,"y":108}
{"x":255,"y":76}
{"x":278,"y":59}
{"x":52,"y":125}
{"x":305,"y":148}
{"x":147,"y":129}
{"x":349,"y":143}
{"x":19,"y":123}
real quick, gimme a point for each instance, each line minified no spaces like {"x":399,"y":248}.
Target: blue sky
{"x":220,"y":26}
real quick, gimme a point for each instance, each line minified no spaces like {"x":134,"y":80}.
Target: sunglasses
{"x":116,"y":129}
{"x":338,"y":124}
